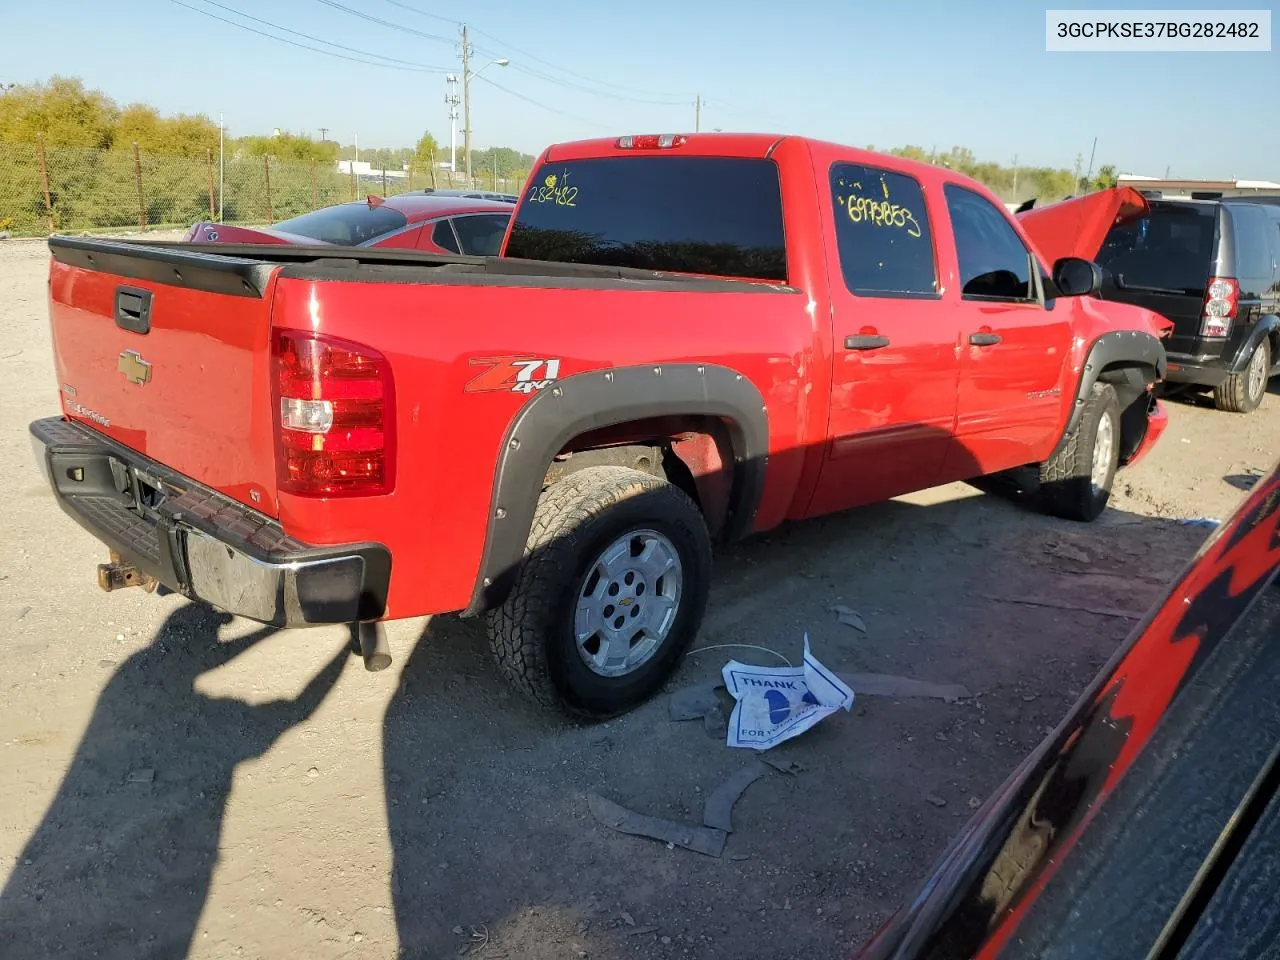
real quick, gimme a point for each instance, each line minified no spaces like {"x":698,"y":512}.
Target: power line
{"x":506,"y":47}
{"x":565,"y":70}
{"x":538,"y":103}
{"x":387,"y":23}
{"x":597,"y":93}
{"x":327,"y":43}
{"x":423,"y":13}
{"x":294,"y":43}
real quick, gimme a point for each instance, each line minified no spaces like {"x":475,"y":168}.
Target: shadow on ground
{"x":494,"y":846}
{"x":121,"y":863}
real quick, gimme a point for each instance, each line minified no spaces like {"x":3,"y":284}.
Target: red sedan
{"x":412,"y":221}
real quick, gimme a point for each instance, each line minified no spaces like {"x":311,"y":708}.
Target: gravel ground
{"x":179,"y":782}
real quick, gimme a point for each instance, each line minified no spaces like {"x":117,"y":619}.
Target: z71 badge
{"x":513,"y":374}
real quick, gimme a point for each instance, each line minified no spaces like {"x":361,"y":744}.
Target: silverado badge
{"x":135,"y":369}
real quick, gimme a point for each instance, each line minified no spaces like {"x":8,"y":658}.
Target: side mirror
{"x":1077,"y":277}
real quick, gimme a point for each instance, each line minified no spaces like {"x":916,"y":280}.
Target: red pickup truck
{"x":686,"y":339}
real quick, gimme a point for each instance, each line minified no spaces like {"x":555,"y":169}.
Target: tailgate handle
{"x":133,"y":309}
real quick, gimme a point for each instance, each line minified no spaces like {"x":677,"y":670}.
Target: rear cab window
{"x":883,"y":235}
{"x":348,"y":225}
{"x":716,"y":216}
{"x":1169,"y":250}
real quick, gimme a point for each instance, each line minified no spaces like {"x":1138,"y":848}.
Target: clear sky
{"x":930,"y":72}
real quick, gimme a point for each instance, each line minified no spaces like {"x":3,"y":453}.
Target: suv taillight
{"x":335,"y":416}
{"x":1221,"y":299}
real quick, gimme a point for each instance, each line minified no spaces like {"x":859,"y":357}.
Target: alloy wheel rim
{"x":627,"y":602}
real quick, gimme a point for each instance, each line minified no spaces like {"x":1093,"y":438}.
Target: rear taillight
{"x":335,"y":416}
{"x":1221,"y":300}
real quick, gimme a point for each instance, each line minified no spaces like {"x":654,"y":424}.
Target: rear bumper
{"x":200,"y":543}
{"x":1204,"y":371}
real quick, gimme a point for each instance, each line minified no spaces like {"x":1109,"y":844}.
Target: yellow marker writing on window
{"x":882,"y":213}
{"x":556,"y":190}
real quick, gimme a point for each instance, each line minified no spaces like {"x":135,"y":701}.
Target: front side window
{"x":716,"y":216}
{"x":993,"y":261}
{"x":882,"y":232}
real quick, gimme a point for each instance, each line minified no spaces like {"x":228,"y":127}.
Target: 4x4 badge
{"x":135,"y":369}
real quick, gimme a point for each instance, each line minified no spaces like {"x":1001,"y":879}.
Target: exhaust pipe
{"x":372,"y":639}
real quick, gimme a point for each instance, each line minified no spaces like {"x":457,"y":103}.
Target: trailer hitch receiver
{"x":119,"y":573}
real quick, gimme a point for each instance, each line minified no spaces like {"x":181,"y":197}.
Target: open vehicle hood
{"x":1077,"y":227}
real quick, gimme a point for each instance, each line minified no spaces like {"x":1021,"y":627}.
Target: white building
{"x":1177,"y":187}
{"x":366,"y":169}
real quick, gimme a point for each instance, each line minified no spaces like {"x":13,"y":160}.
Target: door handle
{"x":865,"y":342}
{"x":984,"y":339}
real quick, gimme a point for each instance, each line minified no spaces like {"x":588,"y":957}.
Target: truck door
{"x":1014,"y":345}
{"x":896,"y":343}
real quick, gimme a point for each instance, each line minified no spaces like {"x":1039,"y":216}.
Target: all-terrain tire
{"x":532,"y":633}
{"x":1243,"y":392}
{"x":1068,"y":488}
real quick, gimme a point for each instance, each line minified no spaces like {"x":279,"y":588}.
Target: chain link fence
{"x":47,"y":190}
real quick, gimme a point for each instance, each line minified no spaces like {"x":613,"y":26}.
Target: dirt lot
{"x":174,"y":777}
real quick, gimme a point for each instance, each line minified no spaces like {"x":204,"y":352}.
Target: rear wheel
{"x":1242,"y":392}
{"x":611,"y":591}
{"x":1075,"y":483}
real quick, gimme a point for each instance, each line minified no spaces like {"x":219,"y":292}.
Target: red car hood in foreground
{"x":1077,"y":227}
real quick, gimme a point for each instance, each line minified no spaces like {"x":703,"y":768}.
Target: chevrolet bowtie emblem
{"x":135,"y":369}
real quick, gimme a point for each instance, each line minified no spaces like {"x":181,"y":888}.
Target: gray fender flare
{"x":603,"y":398}
{"x":1132,"y":347}
{"x":1264,"y":328}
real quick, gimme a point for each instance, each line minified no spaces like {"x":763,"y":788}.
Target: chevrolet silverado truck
{"x":686,"y":339}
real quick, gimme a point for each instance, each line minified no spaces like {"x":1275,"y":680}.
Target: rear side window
{"x":719,"y":216}
{"x":481,"y":235}
{"x":882,"y":232}
{"x":1171,"y":249}
{"x":993,"y":261}
{"x":1252,"y":229}
{"x":442,"y":236}
{"x":348,"y":224}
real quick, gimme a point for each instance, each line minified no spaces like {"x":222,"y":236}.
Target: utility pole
{"x":323,"y":131}
{"x":221,"y":167}
{"x":466,"y":101}
{"x":1092,"y":151}
{"x":697,"y":114}
{"x":451,"y":98}
{"x":1015,"y":178}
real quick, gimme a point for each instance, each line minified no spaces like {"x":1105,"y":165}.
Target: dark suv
{"x":1213,"y":268}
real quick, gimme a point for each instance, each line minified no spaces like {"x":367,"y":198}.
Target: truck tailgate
{"x":167,"y":351}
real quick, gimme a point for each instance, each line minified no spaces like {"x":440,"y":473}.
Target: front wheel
{"x":610,"y":593}
{"x":1242,"y":392}
{"x":1075,"y":483}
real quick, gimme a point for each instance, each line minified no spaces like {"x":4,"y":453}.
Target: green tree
{"x":62,"y":111}
{"x":427,"y":152}
{"x":290,"y":148}
{"x":1106,"y":178}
